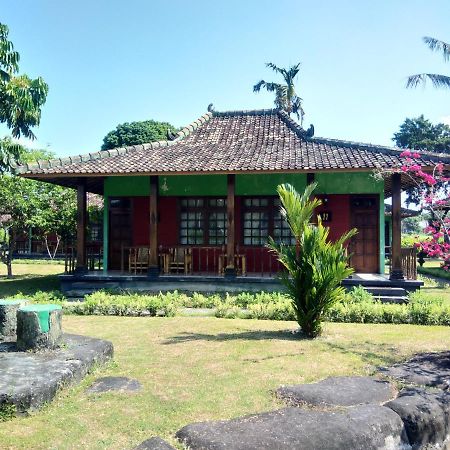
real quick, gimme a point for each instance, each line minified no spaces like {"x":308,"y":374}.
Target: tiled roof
{"x":237,"y":141}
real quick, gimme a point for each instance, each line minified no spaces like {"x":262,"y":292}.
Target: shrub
{"x":316,"y":265}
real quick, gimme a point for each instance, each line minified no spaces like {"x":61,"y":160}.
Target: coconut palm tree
{"x":437,"y":79}
{"x":286,"y":98}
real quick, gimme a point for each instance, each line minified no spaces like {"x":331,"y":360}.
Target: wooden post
{"x":81,"y":226}
{"x":153,"y":267}
{"x":396,"y":250}
{"x":230,"y":269}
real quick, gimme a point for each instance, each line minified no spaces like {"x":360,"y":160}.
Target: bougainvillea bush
{"x":433,"y":186}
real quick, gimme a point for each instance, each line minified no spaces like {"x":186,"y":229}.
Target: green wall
{"x":193,"y":185}
{"x":348,"y":183}
{"x":266,"y":184}
{"x":127,"y":186}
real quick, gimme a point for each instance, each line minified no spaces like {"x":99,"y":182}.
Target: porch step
{"x":386,"y":291}
{"x":389,"y":299}
{"x":388,"y":294}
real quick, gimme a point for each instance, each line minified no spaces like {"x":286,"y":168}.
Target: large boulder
{"x":426,"y":369}
{"x":426,"y":415}
{"x":363,"y":427}
{"x":154,"y":443}
{"x":339,"y":391}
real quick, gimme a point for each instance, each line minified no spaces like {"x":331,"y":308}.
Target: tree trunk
{"x":9,"y":256}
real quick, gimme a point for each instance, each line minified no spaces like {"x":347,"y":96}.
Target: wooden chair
{"x":138,"y":259}
{"x":180,"y":260}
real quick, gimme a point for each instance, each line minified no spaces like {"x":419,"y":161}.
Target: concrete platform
{"x":78,"y":285}
{"x":28,"y":380}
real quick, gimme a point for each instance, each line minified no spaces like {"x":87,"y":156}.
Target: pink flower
{"x":405,"y":153}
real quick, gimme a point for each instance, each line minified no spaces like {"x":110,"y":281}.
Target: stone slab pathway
{"x":28,"y":380}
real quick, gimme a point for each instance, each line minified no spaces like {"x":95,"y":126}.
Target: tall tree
{"x":286,"y":98}
{"x":134,"y":133}
{"x":21,"y":99}
{"x":421,"y":134}
{"x":437,"y":79}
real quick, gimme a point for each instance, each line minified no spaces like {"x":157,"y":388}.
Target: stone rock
{"x":426,"y":415}
{"x":426,"y":369}
{"x":107,"y":384}
{"x":39,"y":327}
{"x":339,"y":391}
{"x":29,"y":380}
{"x":8,"y":316}
{"x":154,"y":443}
{"x":362,"y":427}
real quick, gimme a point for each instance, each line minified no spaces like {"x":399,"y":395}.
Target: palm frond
{"x":438,"y":46}
{"x":439,"y":81}
{"x":275,"y":68}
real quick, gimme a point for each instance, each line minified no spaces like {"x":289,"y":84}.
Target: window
{"x":262,"y":218}
{"x":281,"y":231}
{"x":203,"y":221}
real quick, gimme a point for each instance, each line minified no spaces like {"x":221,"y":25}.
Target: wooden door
{"x":365,"y":245}
{"x":120,"y":231}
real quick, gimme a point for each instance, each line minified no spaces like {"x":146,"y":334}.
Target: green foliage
{"x":7,"y":412}
{"x":420,"y":134}
{"x":356,"y":306}
{"x":434,"y":271}
{"x":47,"y":208}
{"x":21,"y":97}
{"x":102,"y":303}
{"x":315,"y":266}
{"x":413,"y":224}
{"x":133,"y":133}
{"x":286,"y":98}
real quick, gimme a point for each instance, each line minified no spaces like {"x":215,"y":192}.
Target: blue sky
{"x":110,"y":61}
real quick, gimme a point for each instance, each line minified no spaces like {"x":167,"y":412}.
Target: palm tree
{"x":286,"y":98}
{"x":437,"y":80}
{"x":315,"y":266}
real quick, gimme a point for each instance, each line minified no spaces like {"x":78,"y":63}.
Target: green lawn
{"x":30,"y":276}
{"x":196,"y":369}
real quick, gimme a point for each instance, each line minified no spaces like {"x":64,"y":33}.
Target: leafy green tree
{"x":315,"y":266}
{"x":134,"y":133}
{"x":21,"y":99}
{"x":48,"y":209}
{"x":437,"y":79}
{"x":286,"y":98}
{"x":420,"y":134}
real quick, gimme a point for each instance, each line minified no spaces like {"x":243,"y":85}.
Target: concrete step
{"x":386,"y":291}
{"x":391,"y":299}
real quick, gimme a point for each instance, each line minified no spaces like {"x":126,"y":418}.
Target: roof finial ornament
{"x":171,"y":135}
{"x":310,"y":131}
{"x":210,"y":108}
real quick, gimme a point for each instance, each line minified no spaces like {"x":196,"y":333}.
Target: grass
{"x":195,"y":369}
{"x":30,"y":276}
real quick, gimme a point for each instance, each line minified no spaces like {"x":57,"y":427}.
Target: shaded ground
{"x":196,"y":369}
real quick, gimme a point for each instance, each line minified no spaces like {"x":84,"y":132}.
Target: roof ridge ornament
{"x":211,"y":108}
